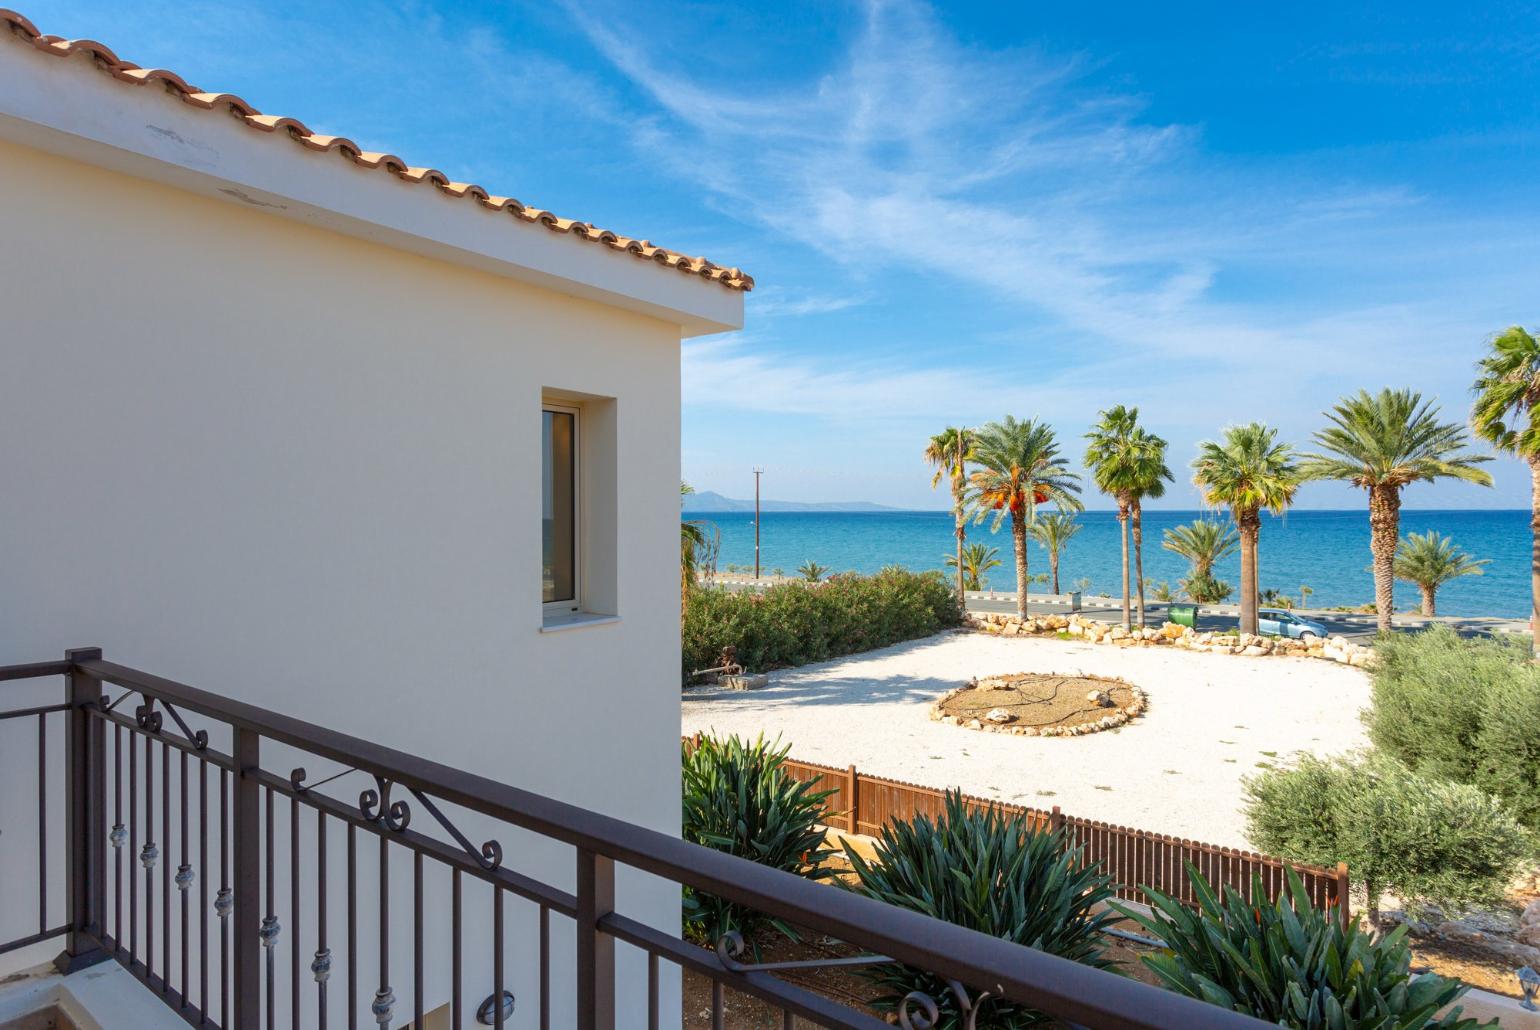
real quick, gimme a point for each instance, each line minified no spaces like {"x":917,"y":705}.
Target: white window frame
{"x":550,"y":609}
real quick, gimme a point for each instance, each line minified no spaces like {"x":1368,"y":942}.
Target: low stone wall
{"x":1334,"y":649}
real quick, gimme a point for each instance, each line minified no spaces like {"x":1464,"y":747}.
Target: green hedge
{"x":796,"y":623}
{"x":1461,"y":709}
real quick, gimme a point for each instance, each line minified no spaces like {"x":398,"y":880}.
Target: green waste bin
{"x":1184,"y":615}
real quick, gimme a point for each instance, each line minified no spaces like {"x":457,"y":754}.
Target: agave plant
{"x":990,"y":871}
{"x":1291,"y":964}
{"x":739,"y":799}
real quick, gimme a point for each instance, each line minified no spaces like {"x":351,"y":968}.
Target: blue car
{"x":1280,"y":623}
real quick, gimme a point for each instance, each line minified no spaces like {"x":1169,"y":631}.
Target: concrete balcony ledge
{"x":99,"y":998}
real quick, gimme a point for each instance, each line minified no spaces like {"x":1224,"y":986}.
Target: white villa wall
{"x":302,"y":469}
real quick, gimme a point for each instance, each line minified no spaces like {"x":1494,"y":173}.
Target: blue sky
{"x":1216,"y":212}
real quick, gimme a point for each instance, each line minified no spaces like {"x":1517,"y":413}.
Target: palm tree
{"x":1020,"y":467}
{"x":1247,"y":471}
{"x":1430,"y":561}
{"x":948,"y":453}
{"x":1204,"y":543}
{"x":692,"y":541}
{"x":812,"y":571}
{"x":1054,"y":530}
{"x":1129,"y":464}
{"x":1507,"y":415}
{"x":974,"y":563}
{"x":1383,"y":443}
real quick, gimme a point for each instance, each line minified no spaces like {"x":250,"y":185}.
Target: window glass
{"x":558,"y":506}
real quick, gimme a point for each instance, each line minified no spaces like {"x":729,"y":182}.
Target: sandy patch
{"x":1212,"y":719}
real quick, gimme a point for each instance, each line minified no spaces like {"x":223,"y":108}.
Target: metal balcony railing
{"x":208,"y":877}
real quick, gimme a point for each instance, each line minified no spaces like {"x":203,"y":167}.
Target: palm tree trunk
{"x":1019,"y":538}
{"x":1250,"y":524}
{"x":1053,"y":563}
{"x":1123,"y":532}
{"x":1429,"y":606}
{"x":962,"y":533}
{"x":1534,"y":553}
{"x":1384,"y":530}
{"x":1138,"y":526}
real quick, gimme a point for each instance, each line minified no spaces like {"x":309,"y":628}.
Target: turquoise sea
{"x":1326,"y":550}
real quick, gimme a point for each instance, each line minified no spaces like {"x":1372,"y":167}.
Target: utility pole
{"x":757,"y":473}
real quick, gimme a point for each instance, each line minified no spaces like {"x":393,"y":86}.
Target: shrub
{"x":1421,"y":839}
{"x":739,"y":799}
{"x":796,"y":623}
{"x":1462,"y":709}
{"x":993,"y":872}
{"x":1290,"y":964}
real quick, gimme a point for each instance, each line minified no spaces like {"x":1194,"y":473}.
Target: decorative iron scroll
{"x":199,"y":740}
{"x":730,"y":946}
{"x":147,"y":718}
{"x":297,"y":779}
{"x":919,"y":1011}
{"x":377,"y":807}
{"x":491,"y":854}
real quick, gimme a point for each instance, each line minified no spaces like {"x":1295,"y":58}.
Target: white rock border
{"x":1335,"y":649}
{"x":1116,"y":717}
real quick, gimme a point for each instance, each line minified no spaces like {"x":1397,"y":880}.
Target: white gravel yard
{"x":1212,"y":719}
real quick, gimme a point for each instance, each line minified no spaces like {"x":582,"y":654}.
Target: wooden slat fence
{"x":1134,"y":858}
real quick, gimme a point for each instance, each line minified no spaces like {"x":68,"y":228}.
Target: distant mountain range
{"x":710,"y":500}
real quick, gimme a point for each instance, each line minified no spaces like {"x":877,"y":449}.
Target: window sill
{"x":575,"y":620}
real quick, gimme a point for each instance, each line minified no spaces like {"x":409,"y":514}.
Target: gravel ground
{"x":1212,"y":719}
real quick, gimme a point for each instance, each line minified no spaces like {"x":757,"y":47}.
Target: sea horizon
{"x":1326,"y":549}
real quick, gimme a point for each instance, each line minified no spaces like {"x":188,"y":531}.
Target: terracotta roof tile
{"x":126,"y":72}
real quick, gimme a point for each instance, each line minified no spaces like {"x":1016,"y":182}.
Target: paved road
{"x":1224,"y":617}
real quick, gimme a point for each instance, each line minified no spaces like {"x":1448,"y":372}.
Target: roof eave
{"x":49,"y":105}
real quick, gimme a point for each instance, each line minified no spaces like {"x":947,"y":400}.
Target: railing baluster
{"x":322,"y":967}
{"x":247,"y":886}
{"x":545,"y":968}
{"x":456,"y":1001}
{"x":42,"y":822}
{"x":385,"y":997}
{"x":270,"y":921}
{"x":226,"y":898}
{"x":203,"y":893}
{"x":148,"y":856}
{"x":652,"y":991}
{"x":184,"y":880}
{"x":497,"y":957}
{"x":117,"y":836}
{"x":133,"y":842}
{"x":595,"y":949}
{"x":165,"y":867}
{"x":352,"y":927}
{"x":294,"y":934}
{"x":718,"y":1005}
{"x":417,"y":992}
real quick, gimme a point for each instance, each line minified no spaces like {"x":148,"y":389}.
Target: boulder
{"x":1253,"y":651}
{"x":998,"y":715}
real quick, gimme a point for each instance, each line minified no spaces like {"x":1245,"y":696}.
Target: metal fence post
{"x":595,"y":948}
{"x":247,"y":846}
{"x":84,"y":789}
